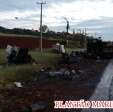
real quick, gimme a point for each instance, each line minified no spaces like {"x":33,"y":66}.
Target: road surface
{"x":104,"y":89}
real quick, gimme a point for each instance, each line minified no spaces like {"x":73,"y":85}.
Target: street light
{"x":67,"y":26}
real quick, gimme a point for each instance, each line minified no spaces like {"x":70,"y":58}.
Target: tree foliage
{"x":45,"y":29}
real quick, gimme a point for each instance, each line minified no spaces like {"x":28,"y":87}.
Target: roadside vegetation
{"x":9,"y":74}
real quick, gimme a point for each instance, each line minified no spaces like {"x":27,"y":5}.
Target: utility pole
{"x":41,"y":42}
{"x":67,"y":30}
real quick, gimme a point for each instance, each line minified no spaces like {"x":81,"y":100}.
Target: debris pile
{"x":64,"y":72}
{"x":72,"y":58}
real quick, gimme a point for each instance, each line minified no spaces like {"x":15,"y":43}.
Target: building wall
{"x":25,"y":42}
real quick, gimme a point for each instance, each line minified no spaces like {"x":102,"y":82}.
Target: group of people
{"x":59,"y":48}
{"x":15,"y":55}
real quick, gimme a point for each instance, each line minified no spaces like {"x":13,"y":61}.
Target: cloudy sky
{"x":94,"y":15}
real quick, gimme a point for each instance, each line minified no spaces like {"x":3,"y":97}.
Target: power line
{"x":41,"y":43}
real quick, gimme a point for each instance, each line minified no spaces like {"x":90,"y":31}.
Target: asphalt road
{"x":104,"y":90}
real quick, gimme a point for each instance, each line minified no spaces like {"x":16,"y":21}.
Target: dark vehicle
{"x":98,"y":48}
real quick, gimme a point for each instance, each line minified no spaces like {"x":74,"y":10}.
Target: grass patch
{"x":17,"y":73}
{"x":2,"y":56}
{"x":9,"y":74}
{"x":46,"y":58}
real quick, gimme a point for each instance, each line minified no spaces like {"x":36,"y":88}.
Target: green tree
{"x":45,"y":29}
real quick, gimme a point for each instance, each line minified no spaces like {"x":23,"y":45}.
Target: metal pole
{"x":41,"y":46}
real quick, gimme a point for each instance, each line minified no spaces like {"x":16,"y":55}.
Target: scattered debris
{"x":64,"y":72}
{"x":18,"y":84}
{"x":72,"y":58}
{"x":98,"y":59}
{"x":73,"y":78}
{"x":70,"y":81}
{"x":40,"y":105}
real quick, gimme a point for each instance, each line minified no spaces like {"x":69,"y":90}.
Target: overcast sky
{"x":94,"y":15}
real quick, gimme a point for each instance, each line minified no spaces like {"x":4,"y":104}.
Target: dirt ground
{"x":20,"y":99}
